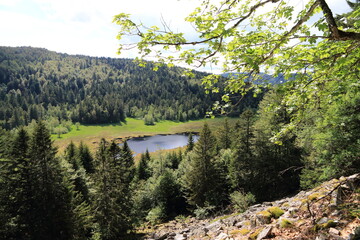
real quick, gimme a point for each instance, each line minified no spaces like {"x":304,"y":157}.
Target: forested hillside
{"x":40,"y":84}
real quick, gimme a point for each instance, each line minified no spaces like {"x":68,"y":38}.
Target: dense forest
{"x":106,"y":195}
{"x":302,"y":132}
{"x":40,"y":84}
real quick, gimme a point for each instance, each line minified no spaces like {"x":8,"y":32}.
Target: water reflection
{"x":159,"y":142}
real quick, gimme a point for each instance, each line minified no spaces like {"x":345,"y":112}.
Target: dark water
{"x":159,"y":142}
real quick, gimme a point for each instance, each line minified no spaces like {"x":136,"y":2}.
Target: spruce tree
{"x":85,"y":158}
{"x":190,"y":144}
{"x":15,"y":189}
{"x":51,"y":215}
{"x":224,"y":140}
{"x":142,"y":169}
{"x":200,"y":180}
{"x":275,"y":166}
{"x":78,"y":172}
{"x":127,"y":163}
{"x":112,"y":200}
{"x":240,"y":166}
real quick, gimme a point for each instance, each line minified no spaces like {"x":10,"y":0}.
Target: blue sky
{"x":85,"y":26}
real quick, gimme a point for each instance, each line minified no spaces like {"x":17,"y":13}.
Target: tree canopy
{"x":308,"y":43}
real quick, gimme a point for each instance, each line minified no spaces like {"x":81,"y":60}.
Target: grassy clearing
{"x":91,"y":134}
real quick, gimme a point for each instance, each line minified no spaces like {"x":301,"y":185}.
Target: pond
{"x":159,"y":142}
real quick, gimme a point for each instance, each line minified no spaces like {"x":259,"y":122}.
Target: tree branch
{"x":336,"y":33}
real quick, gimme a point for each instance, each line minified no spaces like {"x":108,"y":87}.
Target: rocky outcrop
{"x":330,"y":211}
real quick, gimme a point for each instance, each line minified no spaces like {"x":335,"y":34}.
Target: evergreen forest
{"x":40,"y":84}
{"x":292,"y":136}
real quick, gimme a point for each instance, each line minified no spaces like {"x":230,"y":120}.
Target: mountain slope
{"x":330,"y":211}
{"x":37,"y":83}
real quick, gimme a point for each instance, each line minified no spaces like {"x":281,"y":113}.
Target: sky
{"x":85,"y":26}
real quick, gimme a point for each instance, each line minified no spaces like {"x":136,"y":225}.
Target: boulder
{"x":266,"y":232}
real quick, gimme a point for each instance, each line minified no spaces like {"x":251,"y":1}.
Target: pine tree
{"x":71,"y":155}
{"x":275,"y":166}
{"x":112,"y":201}
{"x":225,"y":136}
{"x":127,"y":163}
{"x":85,"y":158}
{"x":240,"y":166}
{"x":200,"y":180}
{"x":142,"y":169}
{"x":51,"y":214}
{"x":190,"y":145}
{"x":15,"y":189}
{"x":78,"y":172}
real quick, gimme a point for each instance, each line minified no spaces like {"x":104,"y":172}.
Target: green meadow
{"x":91,"y":134}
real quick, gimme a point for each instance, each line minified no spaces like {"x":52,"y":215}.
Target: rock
{"x":185,"y":230}
{"x":264,"y":233}
{"x":214,"y":226}
{"x":321,"y":237}
{"x":323,"y":220}
{"x":180,"y":237}
{"x":200,"y":232}
{"x":239,"y":224}
{"x":222,"y":236}
{"x":334,"y":231}
{"x":161,"y":236}
{"x":263,"y":217}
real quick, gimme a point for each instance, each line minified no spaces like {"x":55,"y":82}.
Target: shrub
{"x":241,"y":201}
{"x":204,"y":212}
{"x":156,"y":215}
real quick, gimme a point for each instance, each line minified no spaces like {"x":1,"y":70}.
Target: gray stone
{"x":239,"y":224}
{"x":185,"y":230}
{"x":334,"y":231}
{"x":222,"y":236}
{"x":321,"y":237}
{"x":199,"y":232}
{"x":161,"y":236}
{"x":214,"y":226}
{"x":180,"y":237}
{"x":264,"y":233}
{"x":323,"y":220}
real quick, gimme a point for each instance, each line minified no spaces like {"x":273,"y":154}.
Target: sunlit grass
{"x":91,"y":134}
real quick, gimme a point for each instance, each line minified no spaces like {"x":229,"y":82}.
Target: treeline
{"x":40,"y":84}
{"x":105,"y":195}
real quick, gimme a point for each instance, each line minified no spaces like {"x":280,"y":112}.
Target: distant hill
{"x":263,"y":78}
{"x":36,"y":83}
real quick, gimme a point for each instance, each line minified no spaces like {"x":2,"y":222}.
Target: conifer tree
{"x":15,"y":189}
{"x":240,"y":166}
{"x":112,"y":201}
{"x":78,"y":172}
{"x":85,"y":158}
{"x":71,"y":155}
{"x":225,"y":136}
{"x":127,"y":163}
{"x":275,"y":166}
{"x":190,"y":145}
{"x":142,"y":169}
{"x":200,"y":180}
{"x":51,"y":214}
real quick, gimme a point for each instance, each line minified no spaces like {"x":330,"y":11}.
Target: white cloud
{"x":85,"y":26}
{"x":81,"y":26}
